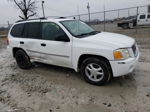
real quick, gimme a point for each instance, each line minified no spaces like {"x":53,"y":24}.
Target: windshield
{"x":78,"y":28}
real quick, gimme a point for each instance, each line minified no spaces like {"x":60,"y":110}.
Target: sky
{"x":9,"y":12}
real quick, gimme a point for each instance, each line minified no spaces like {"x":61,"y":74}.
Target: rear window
{"x":17,"y":30}
{"x":142,"y":16}
{"x":148,"y":16}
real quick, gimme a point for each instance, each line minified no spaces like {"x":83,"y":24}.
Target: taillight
{"x":7,"y":40}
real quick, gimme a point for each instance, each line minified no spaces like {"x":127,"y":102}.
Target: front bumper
{"x":120,"y":68}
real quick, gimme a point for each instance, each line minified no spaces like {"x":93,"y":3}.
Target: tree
{"x":27,"y":7}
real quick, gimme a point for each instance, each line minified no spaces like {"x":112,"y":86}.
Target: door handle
{"x":43,"y":44}
{"x":21,"y":42}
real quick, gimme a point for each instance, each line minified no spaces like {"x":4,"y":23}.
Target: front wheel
{"x":95,"y":71}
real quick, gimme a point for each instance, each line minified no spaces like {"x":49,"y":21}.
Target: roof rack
{"x":32,"y":19}
{"x":57,"y":17}
{"x":42,"y":18}
{"x":62,"y":17}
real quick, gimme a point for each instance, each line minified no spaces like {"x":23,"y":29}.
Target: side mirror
{"x":63,"y":38}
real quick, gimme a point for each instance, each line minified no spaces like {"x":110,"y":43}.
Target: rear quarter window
{"x":17,"y":30}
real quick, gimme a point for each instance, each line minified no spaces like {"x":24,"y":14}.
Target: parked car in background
{"x":98,"y":56}
{"x":140,"y":20}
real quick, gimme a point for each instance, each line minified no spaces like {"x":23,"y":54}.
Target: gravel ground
{"x":46,"y":88}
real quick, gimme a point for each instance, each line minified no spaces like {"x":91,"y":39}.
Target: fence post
{"x":118,"y":13}
{"x":79,"y":17}
{"x":128,"y":12}
{"x":136,"y":21}
{"x":104,"y":20}
{"x":88,"y":7}
{"x":89,"y":18}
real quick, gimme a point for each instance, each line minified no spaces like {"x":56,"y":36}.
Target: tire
{"x":125,"y":26}
{"x":130,"y":25}
{"x":96,"y":71}
{"x":23,"y":60}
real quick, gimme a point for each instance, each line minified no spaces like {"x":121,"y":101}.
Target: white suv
{"x":99,"y":56}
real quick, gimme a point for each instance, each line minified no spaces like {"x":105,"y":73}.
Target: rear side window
{"x":148,"y":16}
{"x":32,"y":30}
{"x":17,"y":30}
{"x":142,"y":16}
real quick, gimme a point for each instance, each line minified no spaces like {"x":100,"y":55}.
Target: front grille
{"x":135,"y":51}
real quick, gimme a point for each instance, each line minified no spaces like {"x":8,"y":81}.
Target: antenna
{"x":43,"y":8}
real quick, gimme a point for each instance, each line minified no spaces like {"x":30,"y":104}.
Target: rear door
{"x":32,"y":38}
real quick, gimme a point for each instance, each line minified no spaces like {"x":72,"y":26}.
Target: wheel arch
{"x":15,"y":49}
{"x":85,"y":56}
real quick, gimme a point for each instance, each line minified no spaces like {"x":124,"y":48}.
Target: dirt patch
{"x":47,"y":88}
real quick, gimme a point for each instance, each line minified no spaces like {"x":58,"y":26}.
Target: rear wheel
{"x":23,"y":60}
{"x":95,"y":71}
{"x":125,"y":26}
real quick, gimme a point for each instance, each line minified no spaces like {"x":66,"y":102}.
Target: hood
{"x":111,"y":39}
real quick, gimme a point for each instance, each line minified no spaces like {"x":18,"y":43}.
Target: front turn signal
{"x":118,"y":55}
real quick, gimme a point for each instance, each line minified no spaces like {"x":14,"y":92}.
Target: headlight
{"x":121,"y":54}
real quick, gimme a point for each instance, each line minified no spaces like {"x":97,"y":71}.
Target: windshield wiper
{"x":86,"y":34}
{"x":93,"y":32}
{"x":81,"y":35}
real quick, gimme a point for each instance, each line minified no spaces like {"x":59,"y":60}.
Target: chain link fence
{"x":108,"y":20}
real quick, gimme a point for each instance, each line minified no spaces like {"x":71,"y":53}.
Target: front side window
{"x":51,"y":31}
{"x":17,"y":30}
{"x":78,"y":28}
{"x":142,"y":16}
